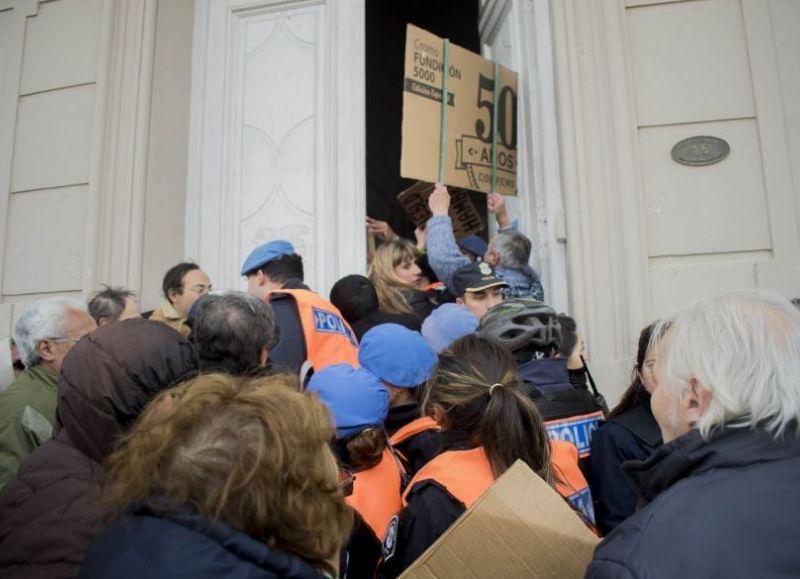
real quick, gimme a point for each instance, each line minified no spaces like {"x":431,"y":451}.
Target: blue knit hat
{"x":396,"y":355}
{"x":355,"y":397}
{"x":263,"y":254}
{"x":446,"y":324}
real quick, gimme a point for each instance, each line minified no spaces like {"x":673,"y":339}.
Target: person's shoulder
{"x":24,"y":391}
{"x":430,"y":496}
{"x":611,"y":431}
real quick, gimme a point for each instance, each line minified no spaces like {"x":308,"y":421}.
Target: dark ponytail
{"x":477,"y":391}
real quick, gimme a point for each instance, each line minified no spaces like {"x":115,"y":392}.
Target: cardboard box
{"x":470,"y":117}
{"x":466,"y":219}
{"x":521,"y":527}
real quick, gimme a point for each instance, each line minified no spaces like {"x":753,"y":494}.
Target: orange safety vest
{"x":466,"y":474}
{"x":413,"y":428}
{"x":329,"y":338}
{"x":570,"y":482}
{"x":376,"y":494}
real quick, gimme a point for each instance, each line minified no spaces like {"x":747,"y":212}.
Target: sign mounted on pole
{"x":472,"y":141}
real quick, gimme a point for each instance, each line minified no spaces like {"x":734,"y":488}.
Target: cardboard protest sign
{"x":465,"y":217}
{"x":521,"y":527}
{"x":471,"y":115}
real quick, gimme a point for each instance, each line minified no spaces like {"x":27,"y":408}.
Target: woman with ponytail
{"x":359,"y":403}
{"x":488,"y":423}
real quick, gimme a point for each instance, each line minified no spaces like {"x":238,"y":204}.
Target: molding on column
{"x":347,"y":156}
{"x":9,"y":100}
{"x":775,"y":153}
{"x":539,"y":145}
{"x":600,"y":169}
{"x":492,"y":15}
{"x":115,"y":232}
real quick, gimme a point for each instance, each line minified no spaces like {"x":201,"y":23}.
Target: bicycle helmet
{"x":522,"y":323}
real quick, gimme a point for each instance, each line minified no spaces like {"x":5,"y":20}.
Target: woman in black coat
{"x":629,"y":433}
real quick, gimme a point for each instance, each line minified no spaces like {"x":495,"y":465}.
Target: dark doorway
{"x":385,"y":49}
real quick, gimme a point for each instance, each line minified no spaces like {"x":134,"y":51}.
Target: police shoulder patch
{"x":390,"y":540}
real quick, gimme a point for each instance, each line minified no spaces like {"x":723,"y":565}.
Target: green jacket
{"x":27,"y":414}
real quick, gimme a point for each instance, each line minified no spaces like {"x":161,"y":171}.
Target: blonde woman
{"x":398,"y":279}
{"x":224,"y":477}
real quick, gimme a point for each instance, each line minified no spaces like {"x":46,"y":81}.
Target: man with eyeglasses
{"x":44,"y":333}
{"x":183,"y":285}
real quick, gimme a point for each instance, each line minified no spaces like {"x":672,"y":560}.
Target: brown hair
{"x":381,"y":272}
{"x":366,"y":448}
{"x":477,"y":390}
{"x":250,"y":452}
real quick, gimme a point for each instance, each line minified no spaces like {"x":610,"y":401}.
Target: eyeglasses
{"x":72,"y":340}
{"x":346,"y":482}
{"x":200,"y":289}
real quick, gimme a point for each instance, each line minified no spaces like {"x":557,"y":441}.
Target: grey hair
{"x":231,"y":331}
{"x":513,"y":249}
{"x":109,"y":303}
{"x":744,"y":348}
{"x":42,"y":320}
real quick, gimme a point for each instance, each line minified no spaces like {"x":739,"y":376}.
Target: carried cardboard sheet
{"x":465,"y":217}
{"x":520,"y":528}
{"x":470,"y":118}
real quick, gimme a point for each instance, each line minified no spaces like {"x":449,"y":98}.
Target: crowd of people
{"x":277,"y":433}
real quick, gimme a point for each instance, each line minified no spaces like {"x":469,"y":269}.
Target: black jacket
{"x":418,"y":302}
{"x":430,"y":511}
{"x":723,"y":508}
{"x":377,"y":317}
{"x":547,"y":382}
{"x":290,"y":351}
{"x":633,"y":435}
{"x":179,"y":543}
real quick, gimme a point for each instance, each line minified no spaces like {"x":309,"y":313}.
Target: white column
{"x":599,"y":168}
{"x":115,"y":232}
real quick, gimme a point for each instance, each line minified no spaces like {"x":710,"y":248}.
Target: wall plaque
{"x":701,"y":150}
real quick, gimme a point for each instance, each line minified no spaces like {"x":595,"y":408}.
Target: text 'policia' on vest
{"x":312,"y":332}
{"x":534,"y":333}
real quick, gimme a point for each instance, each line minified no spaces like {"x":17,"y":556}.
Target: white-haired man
{"x":44,"y":333}
{"x":721,"y":494}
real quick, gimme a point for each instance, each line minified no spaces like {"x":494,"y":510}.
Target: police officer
{"x":311,"y":329}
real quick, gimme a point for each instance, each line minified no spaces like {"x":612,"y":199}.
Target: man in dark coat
{"x":721,"y":493}
{"x":50,"y":512}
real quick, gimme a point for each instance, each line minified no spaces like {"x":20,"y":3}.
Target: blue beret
{"x":355,"y":397}
{"x":263,"y":254}
{"x":396,"y":355}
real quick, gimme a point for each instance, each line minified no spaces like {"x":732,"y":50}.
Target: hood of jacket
{"x":522,"y":282}
{"x":109,"y":377}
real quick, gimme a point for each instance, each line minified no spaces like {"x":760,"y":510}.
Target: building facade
{"x":137,"y":133}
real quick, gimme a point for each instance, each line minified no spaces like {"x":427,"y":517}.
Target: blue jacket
{"x":178,"y":544}
{"x":445,"y":258}
{"x":723,"y":508}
